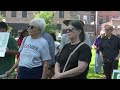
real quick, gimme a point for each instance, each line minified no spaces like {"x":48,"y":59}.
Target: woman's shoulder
{"x":85,"y":47}
{"x":42,"y":40}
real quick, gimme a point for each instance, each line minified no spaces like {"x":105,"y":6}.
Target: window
{"x":61,"y":14}
{"x":24,"y":13}
{"x":13,"y":14}
{"x":3,"y":13}
{"x":85,"y":19}
{"x":59,"y":26}
{"x":92,"y":18}
{"x":107,"y":18}
{"x":100,"y":19}
{"x":75,"y":17}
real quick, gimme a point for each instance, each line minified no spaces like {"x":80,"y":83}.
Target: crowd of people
{"x":41,"y":56}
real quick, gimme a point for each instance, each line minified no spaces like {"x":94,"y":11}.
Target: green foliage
{"x":48,"y":16}
{"x":1,"y":18}
{"x":9,"y":29}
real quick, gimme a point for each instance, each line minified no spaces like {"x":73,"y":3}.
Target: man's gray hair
{"x":39,"y":22}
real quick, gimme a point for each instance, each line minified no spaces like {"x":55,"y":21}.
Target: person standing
{"x":98,"y":61}
{"x":57,"y":44}
{"x":34,"y":57}
{"x":8,"y":60}
{"x":78,"y":65}
{"x":109,"y":51}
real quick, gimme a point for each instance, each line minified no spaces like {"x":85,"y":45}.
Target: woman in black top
{"x":78,"y":65}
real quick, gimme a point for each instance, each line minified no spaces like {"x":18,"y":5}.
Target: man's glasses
{"x":31,"y":27}
{"x":107,"y":30}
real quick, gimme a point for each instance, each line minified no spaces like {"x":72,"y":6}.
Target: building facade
{"x":18,"y":20}
{"x":88,"y":17}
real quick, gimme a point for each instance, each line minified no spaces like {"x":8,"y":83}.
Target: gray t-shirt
{"x":33,"y":52}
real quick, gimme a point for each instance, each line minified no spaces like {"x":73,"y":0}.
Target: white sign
{"x":116,"y":74}
{"x":4,"y":36}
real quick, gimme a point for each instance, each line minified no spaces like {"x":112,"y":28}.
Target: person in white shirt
{"x":34,"y":53}
{"x":57,"y":44}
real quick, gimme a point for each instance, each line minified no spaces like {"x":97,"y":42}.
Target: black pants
{"x":108,"y":68}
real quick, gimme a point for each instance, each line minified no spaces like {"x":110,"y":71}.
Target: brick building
{"x":18,"y":20}
{"x":105,"y":17}
{"x":86,"y":16}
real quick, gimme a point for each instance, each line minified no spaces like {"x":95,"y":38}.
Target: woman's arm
{"x":45,"y":70}
{"x":73,"y":72}
{"x":57,"y":67}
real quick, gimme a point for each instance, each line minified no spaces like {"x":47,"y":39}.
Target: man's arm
{"x":12,"y":47}
{"x":11,"y":52}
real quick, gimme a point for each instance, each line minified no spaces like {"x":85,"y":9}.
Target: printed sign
{"x":4,"y":36}
{"x":116,"y":74}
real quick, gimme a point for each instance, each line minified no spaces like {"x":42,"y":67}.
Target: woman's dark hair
{"x":22,"y":32}
{"x":77,"y":24}
{"x":54,"y":36}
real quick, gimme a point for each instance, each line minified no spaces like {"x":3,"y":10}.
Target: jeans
{"x":98,"y":63}
{"x":30,"y":73}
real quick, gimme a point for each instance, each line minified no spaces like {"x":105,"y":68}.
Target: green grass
{"x":91,"y":73}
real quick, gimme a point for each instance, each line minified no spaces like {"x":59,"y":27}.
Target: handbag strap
{"x":24,"y":41}
{"x":71,"y":55}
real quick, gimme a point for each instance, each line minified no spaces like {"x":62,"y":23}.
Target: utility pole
{"x":96,"y":17}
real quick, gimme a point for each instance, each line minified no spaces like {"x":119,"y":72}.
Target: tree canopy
{"x":48,"y":16}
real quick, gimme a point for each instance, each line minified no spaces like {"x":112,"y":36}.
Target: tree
{"x":48,"y":16}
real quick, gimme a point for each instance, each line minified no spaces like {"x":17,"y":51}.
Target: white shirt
{"x":57,"y":44}
{"x":33,"y":52}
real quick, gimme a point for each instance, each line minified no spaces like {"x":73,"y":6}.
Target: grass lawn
{"x":91,"y":73}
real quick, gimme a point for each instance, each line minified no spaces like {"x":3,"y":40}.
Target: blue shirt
{"x":51,"y":44}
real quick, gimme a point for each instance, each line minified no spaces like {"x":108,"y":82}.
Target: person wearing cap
{"x":8,"y":60}
{"x":109,"y":51}
{"x":78,"y":65}
{"x":65,"y":39}
{"x":98,"y":61}
{"x":34,"y":53}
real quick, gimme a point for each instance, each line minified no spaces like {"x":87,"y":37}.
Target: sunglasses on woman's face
{"x":31,"y":27}
{"x":71,"y":29}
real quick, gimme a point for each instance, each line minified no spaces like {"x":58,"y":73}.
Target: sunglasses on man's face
{"x":31,"y":27}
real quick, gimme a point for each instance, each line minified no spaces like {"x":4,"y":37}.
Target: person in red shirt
{"x":23,"y":34}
